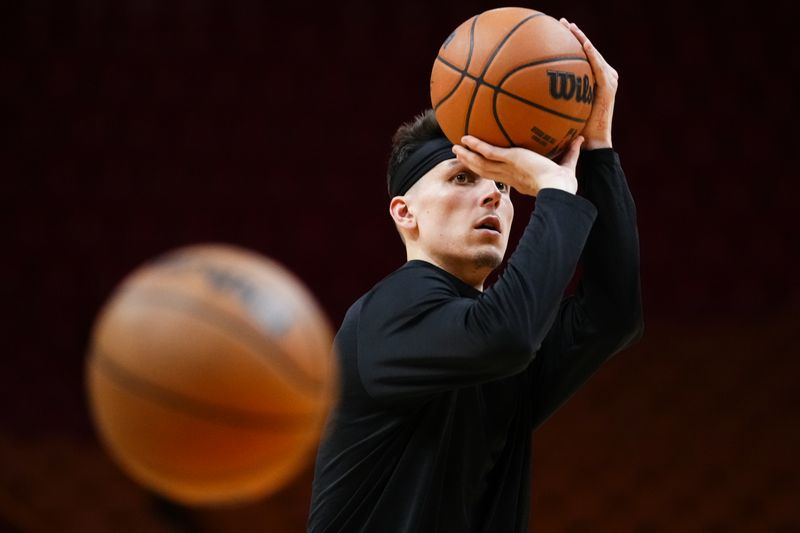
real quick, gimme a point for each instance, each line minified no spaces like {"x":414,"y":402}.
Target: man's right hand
{"x":524,"y":170}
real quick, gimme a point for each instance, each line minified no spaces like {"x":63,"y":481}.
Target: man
{"x":443,"y":382}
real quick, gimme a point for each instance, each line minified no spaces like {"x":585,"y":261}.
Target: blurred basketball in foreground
{"x":210,"y":375}
{"x":513,"y":77}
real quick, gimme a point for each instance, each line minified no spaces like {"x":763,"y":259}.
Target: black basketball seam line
{"x":299,"y":377}
{"x":541,"y":107}
{"x":463,"y":72}
{"x":500,"y":85}
{"x":479,"y":81}
{"x":531,"y":64}
{"x":499,"y":89}
{"x":308,"y":382}
{"x":231,"y":416}
{"x":497,"y":119}
{"x":451,"y":93}
{"x":466,"y":73}
{"x":535,"y":63}
{"x":550,"y":60}
{"x":121,"y":450}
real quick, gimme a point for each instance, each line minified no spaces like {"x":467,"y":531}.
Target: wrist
{"x":569,"y":184}
{"x":596,"y":144}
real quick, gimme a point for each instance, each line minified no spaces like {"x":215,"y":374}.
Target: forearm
{"x":610,"y":287}
{"x":531,"y":288}
{"x":605,"y":314}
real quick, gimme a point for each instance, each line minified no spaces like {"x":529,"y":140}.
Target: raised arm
{"x":422,"y":331}
{"x":605,"y":315}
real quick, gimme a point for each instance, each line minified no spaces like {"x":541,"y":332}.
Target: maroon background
{"x":133,"y":127}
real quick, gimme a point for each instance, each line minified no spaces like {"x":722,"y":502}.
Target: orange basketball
{"x":210,"y":374}
{"x":513,"y":77}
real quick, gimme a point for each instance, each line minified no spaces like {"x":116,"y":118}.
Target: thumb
{"x":570,"y":159}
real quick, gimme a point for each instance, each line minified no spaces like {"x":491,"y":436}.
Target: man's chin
{"x":488,"y":259}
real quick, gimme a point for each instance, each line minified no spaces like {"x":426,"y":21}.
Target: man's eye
{"x":461,"y":178}
{"x":502,"y":187}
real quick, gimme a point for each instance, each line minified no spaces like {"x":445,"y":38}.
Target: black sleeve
{"x":605,"y":314}
{"x":418,"y":335}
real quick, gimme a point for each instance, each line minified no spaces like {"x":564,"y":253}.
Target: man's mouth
{"x":491,"y":223}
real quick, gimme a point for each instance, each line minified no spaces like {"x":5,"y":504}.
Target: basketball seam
{"x":187,"y":405}
{"x":463,"y":72}
{"x":479,"y":81}
{"x":541,"y":62}
{"x":233,"y":325}
{"x":531,"y":64}
{"x":499,"y":89}
{"x":498,"y":121}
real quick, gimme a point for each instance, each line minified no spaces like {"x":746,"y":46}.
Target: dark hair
{"x":409,"y":137}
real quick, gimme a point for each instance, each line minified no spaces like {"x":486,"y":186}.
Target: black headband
{"x":424,"y":158}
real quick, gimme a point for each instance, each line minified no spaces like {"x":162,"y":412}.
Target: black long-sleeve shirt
{"x":442,"y":384}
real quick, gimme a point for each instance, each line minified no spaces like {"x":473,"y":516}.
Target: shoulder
{"x":411,"y":277}
{"x":412,"y":289}
{"x":415,"y":281}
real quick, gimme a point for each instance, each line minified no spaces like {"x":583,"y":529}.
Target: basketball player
{"x":444,"y":380}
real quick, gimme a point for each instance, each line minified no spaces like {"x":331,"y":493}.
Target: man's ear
{"x":402,"y":214}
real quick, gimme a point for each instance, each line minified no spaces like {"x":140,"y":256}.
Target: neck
{"x":465,"y":270}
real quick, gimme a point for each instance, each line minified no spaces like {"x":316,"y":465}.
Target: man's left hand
{"x":597,"y":131}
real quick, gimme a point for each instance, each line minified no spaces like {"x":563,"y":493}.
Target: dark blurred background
{"x":133,"y":127}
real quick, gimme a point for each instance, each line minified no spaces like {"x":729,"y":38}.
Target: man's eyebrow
{"x":455,"y":163}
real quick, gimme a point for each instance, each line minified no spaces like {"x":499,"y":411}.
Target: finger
{"x":596,"y":59}
{"x":489,"y":151}
{"x":476,"y":162}
{"x":570,"y":159}
{"x":600,"y":67}
{"x":564,"y":22}
{"x":590,"y":49}
{"x":591,"y":52}
{"x":582,"y":38}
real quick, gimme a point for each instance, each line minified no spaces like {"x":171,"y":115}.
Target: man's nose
{"x":491,"y":195}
